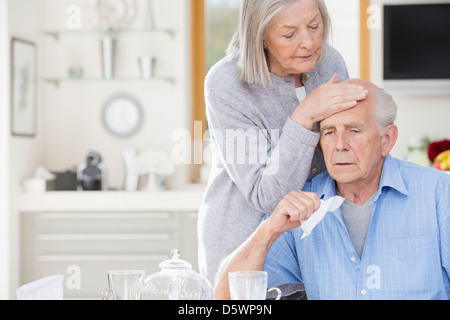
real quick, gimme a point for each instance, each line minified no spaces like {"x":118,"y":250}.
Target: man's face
{"x":352,"y":145}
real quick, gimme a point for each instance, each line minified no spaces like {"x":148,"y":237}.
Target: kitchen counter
{"x":183,"y":200}
{"x":98,"y":231}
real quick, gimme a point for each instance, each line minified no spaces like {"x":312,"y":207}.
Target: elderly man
{"x":390,"y":239}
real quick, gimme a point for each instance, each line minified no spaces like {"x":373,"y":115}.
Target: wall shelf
{"x":56,"y":34}
{"x":58,"y":80}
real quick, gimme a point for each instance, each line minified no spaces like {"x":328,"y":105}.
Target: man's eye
{"x":289,"y":36}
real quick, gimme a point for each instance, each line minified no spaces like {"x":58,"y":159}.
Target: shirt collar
{"x":390,"y":178}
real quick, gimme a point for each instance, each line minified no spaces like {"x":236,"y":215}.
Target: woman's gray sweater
{"x":258,"y":154}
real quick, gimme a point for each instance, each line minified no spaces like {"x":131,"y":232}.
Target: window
{"x":222,"y":21}
{"x":213,"y":24}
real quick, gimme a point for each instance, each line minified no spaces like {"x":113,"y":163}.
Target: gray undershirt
{"x":357,"y":220}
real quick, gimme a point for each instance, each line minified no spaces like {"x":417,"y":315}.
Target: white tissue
{"x":48,"y":288}
{"x":329,"y":205}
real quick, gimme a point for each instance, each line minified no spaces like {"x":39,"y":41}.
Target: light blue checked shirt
{"x":407,"y":249}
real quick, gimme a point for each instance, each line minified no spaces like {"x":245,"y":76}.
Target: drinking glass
{"x":249,"y":285}
{"x":146,"y":64}
{"x":124,"y":285}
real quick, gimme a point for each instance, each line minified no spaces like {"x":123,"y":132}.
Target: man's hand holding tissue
{"x":295,"y":207}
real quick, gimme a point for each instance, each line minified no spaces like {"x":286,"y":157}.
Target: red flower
{"x":435,"y":148}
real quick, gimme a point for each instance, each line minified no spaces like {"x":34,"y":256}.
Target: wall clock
{"x":122,"y":116}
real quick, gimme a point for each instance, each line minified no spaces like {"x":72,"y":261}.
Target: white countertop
{"x":184,"y":200}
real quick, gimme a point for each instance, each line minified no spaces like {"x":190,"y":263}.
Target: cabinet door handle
{"x":104,"y":237}
{"x":106,"y":216}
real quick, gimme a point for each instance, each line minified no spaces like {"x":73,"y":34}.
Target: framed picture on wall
{"x":23,"y":88}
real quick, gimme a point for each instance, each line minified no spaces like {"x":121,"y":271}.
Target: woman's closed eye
{"x":289,"y":36}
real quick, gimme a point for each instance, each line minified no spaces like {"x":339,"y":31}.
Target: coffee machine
{"x":91,"y":176}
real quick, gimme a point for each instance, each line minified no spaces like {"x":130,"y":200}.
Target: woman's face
{"x":294,"y":39}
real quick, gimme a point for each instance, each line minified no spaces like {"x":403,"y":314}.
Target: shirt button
{"x":363,"y":292}
{"x":353,"y":259}
{"x":307,"y":77}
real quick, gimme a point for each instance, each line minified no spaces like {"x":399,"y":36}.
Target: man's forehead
{"x":360,"y":114}
{"x":362,"y":110}
{"x":346,"y":125}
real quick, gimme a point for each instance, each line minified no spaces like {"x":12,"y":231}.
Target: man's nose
{"x":342,"y":142}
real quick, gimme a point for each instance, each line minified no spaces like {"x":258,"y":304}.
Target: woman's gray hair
{"x":247,"y":43}
{"x":385,"y":109}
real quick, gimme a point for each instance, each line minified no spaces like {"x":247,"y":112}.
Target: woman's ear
{"x":388,"y":139}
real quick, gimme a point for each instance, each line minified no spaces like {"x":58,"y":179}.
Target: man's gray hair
{"x":385,"y":109}
{"x":247,"y":43}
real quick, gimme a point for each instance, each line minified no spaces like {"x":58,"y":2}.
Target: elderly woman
{"x":263,"y":100}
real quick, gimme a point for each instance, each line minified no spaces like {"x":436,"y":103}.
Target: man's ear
{"x":389,"y":139}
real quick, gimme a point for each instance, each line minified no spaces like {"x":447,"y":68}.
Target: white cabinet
{"x":83,"y":235}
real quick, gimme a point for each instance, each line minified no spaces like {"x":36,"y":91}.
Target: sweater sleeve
{"x":264,"y":164}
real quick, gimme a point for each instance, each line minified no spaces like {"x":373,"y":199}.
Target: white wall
{"x":345,"y":31}
{"x":20,"y":155}
{"x":4,"y":150}
{"x":73,"y":110}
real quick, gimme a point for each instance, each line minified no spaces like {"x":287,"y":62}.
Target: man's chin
{"x":344,"y":177}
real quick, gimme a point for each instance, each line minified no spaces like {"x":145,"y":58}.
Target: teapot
{"x":177,"y":281}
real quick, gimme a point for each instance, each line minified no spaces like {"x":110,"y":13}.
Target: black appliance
{"x":91,"y":176}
